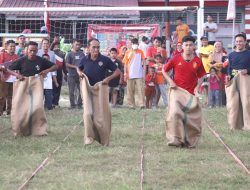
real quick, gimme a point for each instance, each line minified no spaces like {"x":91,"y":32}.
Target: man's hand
{"x":227,"y":79}
{"x":20,"y":77}
{"x":172,"y":84}
{"x":80,"y":73}
{"x":43,"y":73}
{"x":243,"y":71}
{"x":105,"y":81}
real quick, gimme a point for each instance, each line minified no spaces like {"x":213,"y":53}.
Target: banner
{"x":231,"y":12}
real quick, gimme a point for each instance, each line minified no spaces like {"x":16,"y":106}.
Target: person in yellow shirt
{"x":205,"y":54}
{"x":181,"y":29}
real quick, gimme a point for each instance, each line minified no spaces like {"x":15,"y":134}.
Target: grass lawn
{"x":117,"y":167}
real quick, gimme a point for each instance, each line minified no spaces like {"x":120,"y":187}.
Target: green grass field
{"x":117,"y":167}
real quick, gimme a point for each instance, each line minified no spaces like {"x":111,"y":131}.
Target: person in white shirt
{"x":210,"y":30}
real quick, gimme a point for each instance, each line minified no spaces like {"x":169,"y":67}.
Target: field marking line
{"x":45,"y":161}
{"x":230,"y":151}
{"x":142,"y":151}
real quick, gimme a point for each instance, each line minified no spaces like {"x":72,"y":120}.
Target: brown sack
{"x":27,"y":115}
{"x":238,"y":102}
{"x":183,"y":120}
{"x":96,"y":113}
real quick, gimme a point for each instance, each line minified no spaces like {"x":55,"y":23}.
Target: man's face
{"x":240,"y":43}
{"x":113,"y":55}
{"x":129,"y":44}
{"x":157,"y":43}
{"x":94,"y":48}
{"x":178,"y":22}
{"x":76,"y":46}
{"x":188,"y":47}
{"x":21,"y":40}
{"x":11,"y":48}
{"x":45,"y":45}
{"x":218,"y":47}
{"x":32,"y":51}
{"x":204,"y":42}
{"x":209,"y":19}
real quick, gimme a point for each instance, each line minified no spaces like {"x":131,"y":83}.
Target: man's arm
{"x":115,"y":74}
{"x":46,"y":71}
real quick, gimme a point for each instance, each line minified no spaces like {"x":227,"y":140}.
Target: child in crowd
{"x":116,"y":82}
{"x":150,"y":87}
{"x":161,"y":87}
{"x":214,"y":88}
{"x":48,"y":87}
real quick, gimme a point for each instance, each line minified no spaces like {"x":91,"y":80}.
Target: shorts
{"x":117,"y":88}
{"x":150,"y":91}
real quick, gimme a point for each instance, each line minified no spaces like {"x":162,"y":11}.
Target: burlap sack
{"x":96,"y":112}
{"x":238,"y":102}
{"x":183,"y":120}
{"x":27,"y":115}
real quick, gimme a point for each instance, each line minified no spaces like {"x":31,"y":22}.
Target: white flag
{"x":231,"y":12}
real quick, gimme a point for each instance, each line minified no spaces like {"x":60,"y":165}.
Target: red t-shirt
{"x":186,"y":74}
{"x":7,"y":59}
{"x":152,"y":51}
{"x":214,"y":83}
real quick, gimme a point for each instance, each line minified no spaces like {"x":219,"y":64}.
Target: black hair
{"x":241,"y":35}
{"x":76,"y":40}
{"x":158,"y":38}
{"x":21,"y":36}
{"x":157,"y":56}
{"x":144,"y":39}
{"x":113,"y":49}
{"x":32,"y":43}
{"x":45,"y":39}
{"x":92,"y":39}
{"x":188,"y":39}
{"x":179,"y":18}
{"x":10,"y":42}
{"x":54,"y":44}
{"x":135,"y":41}
{"x":213,"y":68}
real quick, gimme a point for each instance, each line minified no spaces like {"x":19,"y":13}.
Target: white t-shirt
{"x":47,"y":83}
{"x":211,"y":35}
{"x":136,"y":67}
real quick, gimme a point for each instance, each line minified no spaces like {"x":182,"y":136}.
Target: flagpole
{"x":233,"y":34}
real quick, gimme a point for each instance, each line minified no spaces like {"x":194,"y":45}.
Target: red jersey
{"x":152,"y":51}
{"x":186,"y":74}
{"x":7,"y":59}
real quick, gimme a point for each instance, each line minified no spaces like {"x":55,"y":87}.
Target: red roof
{"x":71,"y":3}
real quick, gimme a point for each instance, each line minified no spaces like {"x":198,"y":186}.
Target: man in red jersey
{"x":183,"y":121}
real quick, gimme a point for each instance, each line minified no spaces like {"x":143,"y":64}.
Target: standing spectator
{"x":156,"y":49}
{"x":48,"y":82}
{"x":121,"y":91}
{"x":205,"y":52}
{"x":45,"y":50}
{"x":144,"y":44}
{"x":134,"y":73}
{"x":73,"y":60}
{"x":115,"y":83}
{"x":214,"y":88}
{"x":178,"y":49}
{"x":6,"y":83}
{"x":85,"y":49}
{"x":210,"y":29}
{"x":20,"y":47}
{"x":60,"y":73}
{"x":217,"y":58}
{"x":150,"y":87}
{"x":181,"y":29}
{"x":161,"y":87}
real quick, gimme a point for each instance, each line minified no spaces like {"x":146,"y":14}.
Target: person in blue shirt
{"x":95,"y":65}
{"x":237,"y":82}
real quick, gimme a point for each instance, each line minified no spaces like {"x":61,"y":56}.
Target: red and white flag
{"x":46,"y":18}
{"x":231,"y":12}
{"x":59,"y":61}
